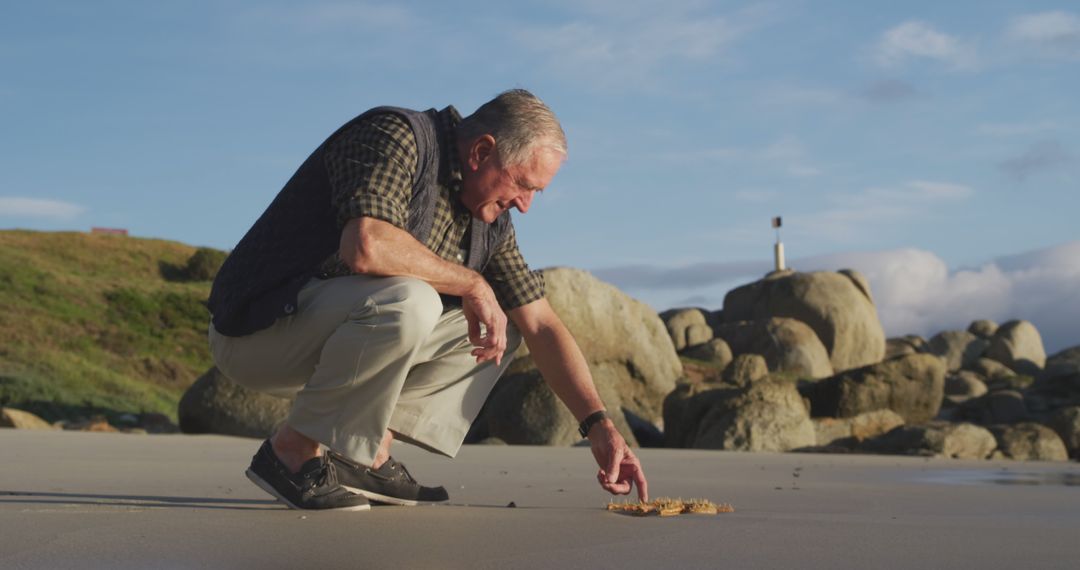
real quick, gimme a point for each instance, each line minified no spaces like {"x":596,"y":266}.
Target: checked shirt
{"x":371,"y":166}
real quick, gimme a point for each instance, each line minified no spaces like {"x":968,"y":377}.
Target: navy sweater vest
{"x":262,"y":277}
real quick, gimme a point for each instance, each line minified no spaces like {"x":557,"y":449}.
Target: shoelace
{"x":391,"y":464}
{"x":326,"y":476}
{"x":394,"y":465}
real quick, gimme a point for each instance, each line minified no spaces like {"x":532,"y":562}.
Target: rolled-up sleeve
{"x":509,"y":276}
{"x":371,"y":166}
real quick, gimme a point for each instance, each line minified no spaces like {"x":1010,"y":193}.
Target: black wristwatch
{"x":589,"y":421}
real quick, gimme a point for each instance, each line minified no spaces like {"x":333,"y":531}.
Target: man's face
{"x":489,"y":188}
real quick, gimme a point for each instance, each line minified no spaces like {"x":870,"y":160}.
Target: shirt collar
{"x":450,"y":167}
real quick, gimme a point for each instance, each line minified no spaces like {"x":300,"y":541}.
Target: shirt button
{"x":289,"y":308}
{"x":460,"y":257}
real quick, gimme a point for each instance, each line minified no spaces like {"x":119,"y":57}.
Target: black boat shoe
{"x":314,"y":487}
{"x":391,"y":483}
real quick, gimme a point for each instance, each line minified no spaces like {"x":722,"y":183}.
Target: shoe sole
{"x":373,"y":496}
{"x":270,"y":489}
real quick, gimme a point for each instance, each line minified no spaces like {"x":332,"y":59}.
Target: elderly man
{"x":376,"y":288}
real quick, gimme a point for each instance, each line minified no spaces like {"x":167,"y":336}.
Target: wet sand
{"x":87,"y":500}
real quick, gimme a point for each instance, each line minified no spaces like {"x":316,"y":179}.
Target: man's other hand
{"x":620,"y":469}
{"x":481,"y":308}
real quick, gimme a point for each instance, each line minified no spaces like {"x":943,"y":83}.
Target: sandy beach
{"x":82,"y":500}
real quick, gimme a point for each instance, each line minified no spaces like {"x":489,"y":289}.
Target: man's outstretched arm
{"x":563,"y":367}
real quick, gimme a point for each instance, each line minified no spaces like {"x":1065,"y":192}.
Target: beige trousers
{"x":365,"y":354}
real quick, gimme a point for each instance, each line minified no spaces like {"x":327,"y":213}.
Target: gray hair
{"x":520,"y":122}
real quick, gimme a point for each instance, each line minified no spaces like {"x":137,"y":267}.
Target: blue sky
{"x":939,"y":135}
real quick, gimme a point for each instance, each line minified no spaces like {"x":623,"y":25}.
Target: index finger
{"x":474,"y":328}
{"x":642,"y":484}
{"x":495,"y":340}
{"x":614,"y":465}
{"x":484,"y":354}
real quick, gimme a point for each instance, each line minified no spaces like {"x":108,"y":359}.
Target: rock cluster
{"x":988,"y":391}
{"x":149,"y":422}
{"x":794,"y":361}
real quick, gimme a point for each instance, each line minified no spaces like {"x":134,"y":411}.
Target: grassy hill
{"x":98,"y":324}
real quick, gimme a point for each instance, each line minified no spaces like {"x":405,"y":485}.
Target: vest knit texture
{"x":262,"y":276}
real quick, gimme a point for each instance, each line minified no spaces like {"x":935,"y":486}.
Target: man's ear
{"x":481,"y":150}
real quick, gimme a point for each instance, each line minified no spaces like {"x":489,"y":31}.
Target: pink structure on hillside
{"x":109,"y":231}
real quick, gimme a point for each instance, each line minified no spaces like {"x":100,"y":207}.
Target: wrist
{"x":476,"y":286}
{"x":592,"y":420}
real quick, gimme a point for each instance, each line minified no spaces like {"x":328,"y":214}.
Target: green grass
{"x":91,"y":325}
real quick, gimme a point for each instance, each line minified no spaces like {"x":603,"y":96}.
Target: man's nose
{"x":523,"y":202}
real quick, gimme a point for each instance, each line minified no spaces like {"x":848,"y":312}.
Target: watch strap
{"x":589,"y":421}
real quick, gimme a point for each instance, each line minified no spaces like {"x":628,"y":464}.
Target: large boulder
{"x":1058,"y":386}
{"x":745,"y":370}
{"x":964,"y":385}
{"x":837,"y":306}
{"x":716,"y":352}
{"x":912,"y":386}
{"x":1066,"y":422}
{"x":983,"y":328}
{"x":999,"y":407}
{"x":768,"y":415}
{"x":957,"y":348}
{"x":788,"y":345}
{"x":677,"y":406}
{"x":687,"y":327}
{"x":935,"y":439}
{"x":990,"y":370}
{"x":1018,"y":345}
{"x":522,"y":410}
{"x":1063,"y":364}
{"x":625,"y":344}
{"x":215,"y":404}
{"x":904,"y":345}
{"x":1030,"y":441}
{"x":848,"y":432}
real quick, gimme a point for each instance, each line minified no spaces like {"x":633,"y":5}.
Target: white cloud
{"x":914,"y":290}
{"x":918,"y":40}
{"x":889,"y":91}
{"x":328,"y":17}
{"x":916,"y":293}
{"x":1046,"y":28}
{"x":619,"y":44}
{"x":786,"y":154}
{"x":1017,"y":129}
{"x":789,"y":154}
{"x":609,"y":53}
{"x":650,"y":277}
{"x":853,"y":214}
{"x":787,"y":95}
{"x":925,"y":190}
{"x":756,"y":196}
{"x":18,"y":207}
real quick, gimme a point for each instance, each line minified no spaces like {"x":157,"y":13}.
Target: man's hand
{"x":620,"y":469}
{"x":376,"y":247}
{"x":481,"y":308}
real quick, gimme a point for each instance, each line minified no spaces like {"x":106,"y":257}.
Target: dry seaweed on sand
{"x":668,"y":507}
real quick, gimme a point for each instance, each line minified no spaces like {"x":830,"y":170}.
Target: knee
{"x":414,"y":304}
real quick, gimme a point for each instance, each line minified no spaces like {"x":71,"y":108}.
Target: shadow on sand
{"x":151,"y":501}
{"x":141,"y":501}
